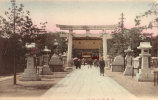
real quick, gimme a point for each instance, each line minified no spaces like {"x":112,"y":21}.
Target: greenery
{"x":13,"y":49}
{"x":12,"y":45}
{"x":121,"y":40}
{"x":153,"y":11}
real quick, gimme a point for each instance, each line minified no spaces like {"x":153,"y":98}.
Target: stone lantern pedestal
{"x":128,"y":58}
{"x":30,"y":72}
{"x":46,"y":69}
{"x":136,"y":64}
{"x":145,"y":72}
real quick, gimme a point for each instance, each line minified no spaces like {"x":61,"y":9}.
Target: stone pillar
{"x":136,"y":64}
{"x":105,"y":37}
{"x":69,"y":55}
{"x":108,"y":63}
{"x":64,"y":60}
{"x":30,"y":72}
{"x":104,"y":46}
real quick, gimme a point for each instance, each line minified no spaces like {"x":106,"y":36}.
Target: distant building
{"x":87,"y":47}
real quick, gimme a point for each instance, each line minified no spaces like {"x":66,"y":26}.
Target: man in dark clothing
{"x":75,"y":63}
{"x":79,"y":63}
{"x":102,"y":65}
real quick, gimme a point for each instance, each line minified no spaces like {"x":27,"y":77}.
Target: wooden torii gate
{"x":104,"y":36}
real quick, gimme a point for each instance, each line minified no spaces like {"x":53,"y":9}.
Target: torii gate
{"x":104,"y":35}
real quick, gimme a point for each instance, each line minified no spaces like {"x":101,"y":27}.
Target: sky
{"x":83,"y":12}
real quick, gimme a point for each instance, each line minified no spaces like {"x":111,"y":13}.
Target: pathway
{"x":87,"y":84}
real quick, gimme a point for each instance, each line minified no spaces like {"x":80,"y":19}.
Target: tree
{"x":62,"y":43}
{"x":154,"y":23}
{"x":151,"y":12}
{"x":14,"y":44}
{"x":120,"y":42}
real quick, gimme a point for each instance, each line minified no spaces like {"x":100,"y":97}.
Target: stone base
{"x":46,"y":70}
{"x":135,"y":72}
{"x":128,"y":71}
{"x":57,"y":68}
{"x":68,"y":68}
{"x":117,"y":68}
{"x":107,"y":68}
{"x":145,"y":75}
{"x":30,"y":75}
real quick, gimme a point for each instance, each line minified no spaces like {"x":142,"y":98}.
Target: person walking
{"x":79,"y":63}
{"x":75,"y":63}
{"x":102,"y":65}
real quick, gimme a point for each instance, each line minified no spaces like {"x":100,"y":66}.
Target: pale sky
{"x":82,"y":12}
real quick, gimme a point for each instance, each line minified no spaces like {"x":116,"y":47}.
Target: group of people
{"x":101,"y":63}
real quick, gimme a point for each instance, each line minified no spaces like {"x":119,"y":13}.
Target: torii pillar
{"x":105,"y":37}
{"x":69,"y":54}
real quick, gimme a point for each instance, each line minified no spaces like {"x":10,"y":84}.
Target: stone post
{"x":104,"y":45}
{"x":105,"y":37}
{"x":108,"y":62}
{"x":64,"y":59}
{"x":136,"y":64}
{"x":69,"y":55}
{"x":145,"y":72}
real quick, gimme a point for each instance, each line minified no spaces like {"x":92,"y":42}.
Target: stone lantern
{"x":128,"y":58}
{"x":46,"y":70}
{"x":145,"y":72}
{"x":30,"y":71}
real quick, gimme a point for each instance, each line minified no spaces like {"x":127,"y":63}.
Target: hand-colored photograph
{"x":78,"y":49}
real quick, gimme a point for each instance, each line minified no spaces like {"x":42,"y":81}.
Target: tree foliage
{"x":121,"y":41}
{"x":13,"y":45}
{"x":151,"y":12}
